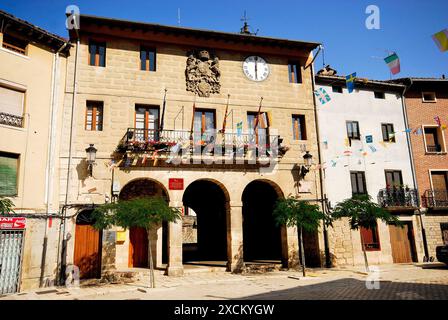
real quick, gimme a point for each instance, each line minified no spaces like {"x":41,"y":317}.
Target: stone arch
{"x":143,"y":187}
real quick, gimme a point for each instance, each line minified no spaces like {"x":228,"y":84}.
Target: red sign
{"x":176,"y":184}
{"x":12,"y":223}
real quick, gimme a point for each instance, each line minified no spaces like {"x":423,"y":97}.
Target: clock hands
{"x":256,"y":75}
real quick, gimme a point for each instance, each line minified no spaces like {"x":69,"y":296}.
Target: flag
{"x":224,"y":122}
{"x":333,"y":163}
{"x":437,"y":120}
{"x":393,"y":62}
{"x":239,"y":128}
{"x":258,"y":115}
{"x":163,"y":111}
{"x":443,"y":126}
{"x":392,"y":137}
{"x":372,"y":148}
{"x":408,"y":130}
{"x":441,"y":39}
{"x":417,"y":131}
{"x":263,"y":121}
{"x":322,"y":95}
{"x":350,"y":82}
{"x":145,"y":156}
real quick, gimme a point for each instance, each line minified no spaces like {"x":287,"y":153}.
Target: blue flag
{"x":350,"y":81}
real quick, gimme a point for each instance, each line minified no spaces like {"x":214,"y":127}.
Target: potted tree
{"x":145,"y":212}
{"x":6,"y":206}
{"x":361,"y":211}
{"x":295,"y":212}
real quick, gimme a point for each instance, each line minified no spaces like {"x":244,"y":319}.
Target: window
{"x":9,"y":164}
{"x":11,"y":103}
{"x":388,"y":132}
{"x":358,"y":181}
{"x":337,"y":89}
{"x":393,"y":178}
{"x":147,"y":59}
{"x":298,"y":127}
{"x":97,"y":54}
{"x":439,"y":183}
{"x":94,"y":116}
{"x":353,"y":130}
{"x":204,"y":124}
{"x":370,"y":239}
{"x":444,"y":228}
{"x":261,"y":135}
{"x":295,"y":73}
{"x":429,"y":96}
{"x":14,"y":44}
{"x":379,"y":95}
{"x":146,"y":122}
{"x":434,"y":139}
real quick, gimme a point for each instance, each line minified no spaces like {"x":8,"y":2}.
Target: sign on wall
{"x":369,"y":139}
{"x":176,"y":184}
{"x":13,"y":223}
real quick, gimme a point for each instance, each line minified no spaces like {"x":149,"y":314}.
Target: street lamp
{"x":91,"y":157}
{"x":308,"y":158}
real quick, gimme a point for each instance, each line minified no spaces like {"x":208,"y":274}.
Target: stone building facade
{"x":32,"y":65}
{"x":427,"y":112}
{"x":365,"y":150}
{"x":211,"y":70}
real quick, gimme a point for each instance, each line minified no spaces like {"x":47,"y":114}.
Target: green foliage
{"x":138,"y":212}
{"x":6,"y":206}
{"x":300,"y":213}
{"x":362,"y":212}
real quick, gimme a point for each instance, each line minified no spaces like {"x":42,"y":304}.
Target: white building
{"x":364,"y":147}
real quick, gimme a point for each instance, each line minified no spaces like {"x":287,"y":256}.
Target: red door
{"x":138,"y":248}
{"x":87,"y":251}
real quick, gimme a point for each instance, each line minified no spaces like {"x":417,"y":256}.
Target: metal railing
{"x":11,"y":120}
{"x":13,"y":48}
{"x":398,"y":197}
{"x":434,"y":148}
{"x":142,"y":140}
{"x":435,"y":198}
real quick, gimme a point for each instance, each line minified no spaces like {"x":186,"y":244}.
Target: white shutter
{"x":11,"y":101}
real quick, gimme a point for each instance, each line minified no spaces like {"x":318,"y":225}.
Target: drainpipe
{"x":411,"y":159}
{"x":326,"y":244}
{"x":50,"y":156}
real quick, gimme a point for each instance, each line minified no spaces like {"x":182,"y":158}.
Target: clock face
{"x":255,"y":68}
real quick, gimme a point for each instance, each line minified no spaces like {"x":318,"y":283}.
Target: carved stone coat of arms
{"x":202,"y":73}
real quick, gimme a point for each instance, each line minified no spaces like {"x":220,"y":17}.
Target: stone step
{"x":261,"y":267}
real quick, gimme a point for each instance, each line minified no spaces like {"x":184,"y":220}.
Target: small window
{"x":298,"y":127}
{"x":295,"y":73}
{"x":353,"y":130}
{"x":379,"y":95}
{"x":97,"y":54}
{"x":94,"y":116}
{"x":429,"y":96}
{"x":370,"y":239}
{"x":147,"y":59}
{"x":358,"y":181}
{"x":394,"y":178}
{"x":337,"y":89}
{"x":433,"y":139}
{"x":9,"y":164}
{"x":14,"y":44}
{"x":146,"y":122}
{"x":388,"y":132}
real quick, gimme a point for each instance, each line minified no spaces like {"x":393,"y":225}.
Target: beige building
{"x":118,"y":75}
{"x":32,"y":64}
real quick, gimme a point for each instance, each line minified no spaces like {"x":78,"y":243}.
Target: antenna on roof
{"x":178,"y":16}
{"x":245,"y":28}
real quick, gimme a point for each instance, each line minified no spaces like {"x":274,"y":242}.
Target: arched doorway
{"x":138,"y":237}
{"x":204,"y":228}
{"x":262,"y":238}
{"x":87,"y":254}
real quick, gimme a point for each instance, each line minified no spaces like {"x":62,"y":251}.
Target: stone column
{"x":175,"y":266}
{"x":235,"y":261}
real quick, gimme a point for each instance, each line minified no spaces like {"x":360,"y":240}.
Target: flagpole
{"x":224,"y":122}
{"x":192,"y":118}
{"x":163,"y":111}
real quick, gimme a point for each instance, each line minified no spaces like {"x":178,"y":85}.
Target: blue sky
{"x":406,"y":26}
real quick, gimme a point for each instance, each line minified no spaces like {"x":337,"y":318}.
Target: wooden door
{"x":138,"y":248}
{"x":401,"y":243}
{"x":87,"y":251}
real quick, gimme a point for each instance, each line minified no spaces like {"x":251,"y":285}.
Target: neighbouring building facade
{"x":365,"y":150}
{"x":32,"y":64}
{"x":139,"y":93}
{"x":427,"y":112}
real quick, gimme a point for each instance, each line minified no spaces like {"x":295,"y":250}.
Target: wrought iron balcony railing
{"x":143,"y":140}
{"x":435,"y":199}
{"x":434,"y":148}
{"x":11,"y":120}
{"x":398,"y":197}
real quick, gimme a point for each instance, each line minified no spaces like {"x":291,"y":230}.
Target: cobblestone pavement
{"x":402,"y":282}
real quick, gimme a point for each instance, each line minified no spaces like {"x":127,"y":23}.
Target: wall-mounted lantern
{"x":308,"y":161}
{"x":90,"y":157}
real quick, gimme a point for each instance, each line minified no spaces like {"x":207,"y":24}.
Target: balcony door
{"x":146,"y":122}
{"x":432,"y":140}
{"x":260,"y":136}
{"x":394,"y":178}
{"x":440,"y":187}
{"x":204,"y":125}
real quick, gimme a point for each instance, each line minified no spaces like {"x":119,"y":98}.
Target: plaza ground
{"x":397,"y":282}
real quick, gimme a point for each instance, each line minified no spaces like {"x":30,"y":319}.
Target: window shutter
{"x":8,"y":175}
{"x":11,"y":101}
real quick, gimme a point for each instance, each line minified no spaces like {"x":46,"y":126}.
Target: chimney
{"x":443,"y":76}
